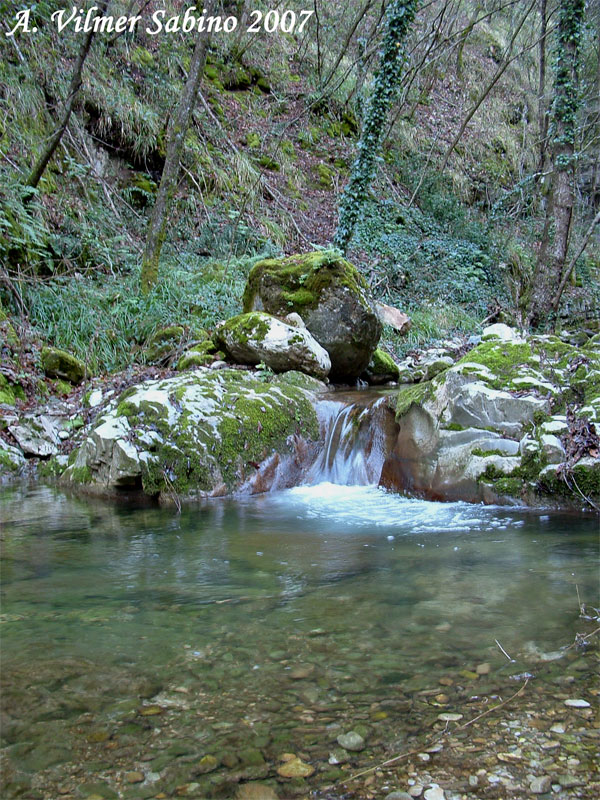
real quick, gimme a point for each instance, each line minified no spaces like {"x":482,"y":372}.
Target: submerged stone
{"x":255,"y":791}
{"x":295,"y":768}
{"x":351,"y":741}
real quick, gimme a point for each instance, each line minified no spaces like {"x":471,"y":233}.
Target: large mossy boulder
{"x":202,"y":433}
{"x":58,"y":363}
{"x":258,"y":337}
{"x":330,"y":295}
{"x":496,"y":424}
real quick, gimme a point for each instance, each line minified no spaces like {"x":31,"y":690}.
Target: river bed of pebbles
{"x":304,"y":729}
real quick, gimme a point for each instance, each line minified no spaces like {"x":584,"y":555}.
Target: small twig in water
{"x":581,"y":605}
{"x":438,"y":737}
{"x":582,"y":639}
{"x":504,"y":651}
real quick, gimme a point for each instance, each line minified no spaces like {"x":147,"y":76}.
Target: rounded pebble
{"x":351,"y":741}
{"x":577,"y":703}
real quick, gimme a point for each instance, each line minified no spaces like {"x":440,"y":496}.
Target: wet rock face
{"x":202,"y":433}
{"x":331,"y":297}
{"x":495,"y":424}
{"x":259,"y":337}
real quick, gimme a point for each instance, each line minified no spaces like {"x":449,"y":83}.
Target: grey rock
{"x":541,"y":784}
{"x":501,"y":331}
{"x":351,"y":741}
{"x":258,"y":337}
{"x":38,"y":435}
{"x":552,"y":448}
{"x":332,"y":298}
{"x":295,"y":320}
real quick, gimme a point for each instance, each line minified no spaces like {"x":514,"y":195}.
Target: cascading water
{"x":356,"y":430}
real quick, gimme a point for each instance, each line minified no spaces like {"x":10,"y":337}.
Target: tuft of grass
{"x":106,"y":322}
{"x":431,"y":324}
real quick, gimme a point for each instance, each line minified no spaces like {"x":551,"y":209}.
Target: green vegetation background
{"x":275,"y":131}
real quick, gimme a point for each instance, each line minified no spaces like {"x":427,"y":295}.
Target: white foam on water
{"x":371,"y":506}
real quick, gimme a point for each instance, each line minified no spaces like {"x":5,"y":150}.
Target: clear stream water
{"x":139,"y":638}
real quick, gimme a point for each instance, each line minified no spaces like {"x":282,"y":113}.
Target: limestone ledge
{"x":493,"y":426}
{"x":203,"y":433}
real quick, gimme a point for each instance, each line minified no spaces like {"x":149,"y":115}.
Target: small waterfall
{"x":357,"y":430}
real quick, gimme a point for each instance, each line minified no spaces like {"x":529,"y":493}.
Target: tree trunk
{"x":44,"y":159}
{"x":400,"y":15}
{"x":554,"y":246}
{"x":178,"y":127}
{"x":542,"y":110}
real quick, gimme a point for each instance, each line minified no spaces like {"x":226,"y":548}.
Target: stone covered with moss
{"x":202,"y":433}
{"x":164,"y":342}
{"x":200,"y":355}
{"x":495,"y":424}
{"x":330,"y":295}
{"x":57,"y":363}
{"x":12,"y":460}
{"x":382,"y":368}
{"x":10,"y":392}
{"x":257,"y":337}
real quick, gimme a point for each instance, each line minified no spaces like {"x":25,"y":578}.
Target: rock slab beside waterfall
{"x":203,"y":433}
{"x":514,"y":418}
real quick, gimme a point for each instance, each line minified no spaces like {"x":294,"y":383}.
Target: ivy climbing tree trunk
{"x":176,"y":133}
{"x":43,"y":160}
{"x":400,"y":15}
{"x":562,"y":132}
{"x":542,"y":110}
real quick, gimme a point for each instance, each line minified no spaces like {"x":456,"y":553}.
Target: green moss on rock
{"x":325,"y":176}
{"x":8,"y":463}
{"x":269,"y":163}
{"x":253,"y":140}
{"x":10,"y":392}
{"x":81,"y":475}
{"x":383,"y":364}
{"x":163,"y":341}
{"x":295,"y":283}
{"x":199,"y":432}
{"x":252,"y":325}
{"x":412,"y":395}
{"x":299,"y":379}
{"x":60,"y":364}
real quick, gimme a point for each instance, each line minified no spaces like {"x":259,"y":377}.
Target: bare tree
{"x":176,"y":133}
{"x":43,"y":160}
